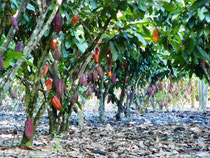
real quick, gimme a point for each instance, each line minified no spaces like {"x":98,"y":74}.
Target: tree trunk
{"x":127,"y":111}
{"x":203,"y":94}
{"x":102,"y":106}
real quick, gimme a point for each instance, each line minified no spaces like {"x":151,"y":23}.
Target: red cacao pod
{"x":14,"y":23}
{"x":56,"y":103}
{"x":83,"y":80}
{"x":2,"y":64}
{"x":19,"y":47}
{"x":149,"y":90}
{"x":109,"y":73}
{"x":57,"y":23}
{"x":90,"y":78}
{"x":155,"y":35}
{"x":165,"y":104}
{"x":48,"y":83}
{"x":74,"y":98}
{"x":13,"y":94}
{"x":100,"y":72}
{"x":204,"y":62}
{"x":114,"y":79}
{"x":45,"y":70}
{"x":90,"y":90}
{"x":95,"y":75}
{"x":60,"y":87}
{"x":124,"y":65}
{"x":29,"y":128}
{"x":74,"y":19}
{"x":53,"y":44}
{"x":96,"y":54}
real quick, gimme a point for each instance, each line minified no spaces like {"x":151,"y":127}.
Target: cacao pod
{"x":124,"y":65}
{"x":149,"y":90}
{"x":14,"y":23}
{"x":19,"y":47}
{"x":56,"y":103}
{"x":114,"y":79}
{"x":77,"y":71}
{"x":100,"y":72}
{"x":204,"y":62}
{"x":83,"y":80}
{"x":29,"y":128}
{"x":160,"y":86}
{"x":49,"y":83}
{"x":165,"y":104}
{"x":57,"y":54}
{"x":53,"y":44}
{"x":90,"y":78}
{"x":13,"y":94}
{"x":74,"y":98}
{"x":57,"y":23}
{"x":90,"y":90}
{"x":45,"y":70}
{"x":109,"y":73}
{"x":96,"y":54}
{"x":180,"y":79}
{"x":74,"y":19}
{"x":60,"y":87}
{"x":110,"y":67}
{"x":2,"y":64}
{"x":155,"y":36}
{"x":95,"y":75}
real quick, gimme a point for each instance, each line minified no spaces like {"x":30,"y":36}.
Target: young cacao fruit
{"x":14,"y":23}
{"x":2,"y":64}
{"x":83,"y":80}
{"x":74,"y":98}
{"x":100,"y":72}
{"x":56,"y":103}
{"x":53,"y":44}
{"x":109,"y":73}
{"x":57,"y":23}
{"x":90,"y":78}
{"x":19,"y":47}
{"x":29,"y":128}
{"x":48,"y":83}
{"x":13,"y":94}
{"x":96,"y":54}
{"x":74,"y":19}
{"x":60,"y":87}
{"x":155,"y":35}
{"x":95,"y":75}
{"x":45,"y":70}
{"x":114,"y":79}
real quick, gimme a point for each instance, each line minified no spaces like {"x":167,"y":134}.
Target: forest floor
{"x":174,"y":133}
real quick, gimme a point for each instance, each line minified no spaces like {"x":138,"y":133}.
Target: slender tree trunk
{"x":203,"y":94}
{"x":102,"y":106}
{"x":127,"y":112}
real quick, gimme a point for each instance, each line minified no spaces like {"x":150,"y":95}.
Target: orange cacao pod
{"x":53,"y":44}
{"x":49,"y":83}
{"x":74,"y":19}
{"x":96,"y":54}
{"x":29,"y":128}
{"x":155,"y":35}
{"x":45,"y":70}
{"x":109,"y":73}
{"x":57,"y":23}
{"x":56,"y":103}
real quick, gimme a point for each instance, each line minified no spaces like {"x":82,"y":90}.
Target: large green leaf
{"x":30,"y":7}
{"x":203,"y":53}
{"x":113,"y":51}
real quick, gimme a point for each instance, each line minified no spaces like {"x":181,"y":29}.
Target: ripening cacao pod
{"x":45,"y":70}
{"x":74,"y":19}
{"x":60,"y":86}
{"x":90,"y":90}
{"x":29,"y":128}
{"x":2,"y":64}
{"x":109,"y":73}
{"x":57,"y":23}
{"x":124,"y":65}
{"x":90,"y":78}
{"x":14,"y":23}
{"x":13,"y":94}
{"x":57,"y":54}
{"x":56,"y":103}
{"x":155,"y":36}
{"x":74,"y":98}
{"x":204,"y":62}
{"x":100,"y":72}
{"x":19,"y":47}
{"x":149,"y":90}
{"x":114,"y":79}
{"x":49,"y":83}
{"x":53,"y":44}
{"x":95,"y":75}
{"x":83,"y":80}
{"x":96,"y":54}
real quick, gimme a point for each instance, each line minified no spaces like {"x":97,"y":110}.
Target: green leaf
{"x":203,"y":53}
{"x":113,"y":51}
{"x":79,"y":105}
{"x":26,"y":17}
{"x":93,"y":4}
{"x":12,"y":55}
{"x":30,"y":7}
{"x":15,"y":3}
{"x":169,"y":7}
{"x":28,"y":62}
{"x":140,"y":38}
{"x":103,"y":50}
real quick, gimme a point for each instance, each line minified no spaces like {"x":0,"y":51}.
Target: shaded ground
{"x":155,"y":134}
